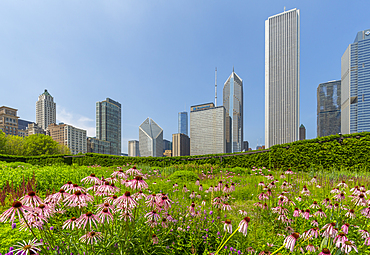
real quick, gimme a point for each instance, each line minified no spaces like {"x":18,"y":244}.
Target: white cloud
{"x":76,"y":120}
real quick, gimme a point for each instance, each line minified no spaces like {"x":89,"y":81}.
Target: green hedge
{"x":347,"y":151}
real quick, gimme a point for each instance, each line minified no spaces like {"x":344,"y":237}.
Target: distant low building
{"x":98,"y":146}
{"x":180,"y":145}
{"x":72,"y":137}
{"x":34,"y":128}
{"x":245,"y":146}
{"x":9,"y":120}
{"x":302,"y":132}
{"x":133,"y":148}
{"x":167,"y":153}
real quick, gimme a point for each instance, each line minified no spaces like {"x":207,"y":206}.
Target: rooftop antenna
{"x":284,"y":8}
{"x":216,"y":87}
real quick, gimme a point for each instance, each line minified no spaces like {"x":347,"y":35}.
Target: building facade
{"x":133,"y":148}
{"x":207,"y":129}
{"x":183,"y":123}
{"x":355,"y":85}
{"x":167,"y":145}
{"x":302,"y":132}
{"x":98,"y":146}
{"x":72,"y":137}
{"x":108,"y":124}
{"x":233,"y":103}
{"x":282,"y":78}
{"x":9,"y":120}
{"x":328,"y":108}
{"x":180,"y":145}
{"x":33,"y":129}
{"x":45,"y":110}
{"x":150,"y":139}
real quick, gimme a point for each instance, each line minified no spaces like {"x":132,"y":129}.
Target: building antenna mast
{"x":216,"y":87}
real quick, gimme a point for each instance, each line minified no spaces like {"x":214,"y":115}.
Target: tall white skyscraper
{"x":233,"y":103}
{"x":45,"y":110}
{"x":282,"y":78}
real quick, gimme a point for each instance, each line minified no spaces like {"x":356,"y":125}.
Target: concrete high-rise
{"x":74,"y":138}
{"x":183,"y":123}
{"x":207,"y":129}
{"x":282,"y":78}
{"x":328,"y":108}
{"x":233,"y":103}
{"x":108,"y":124}
{"x":45,"y":110}
{"x":355,"y":82}
{"x":150,"y":139}
{"x":133,"y":148}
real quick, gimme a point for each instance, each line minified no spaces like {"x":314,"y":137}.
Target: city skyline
{"x":160,"y":66}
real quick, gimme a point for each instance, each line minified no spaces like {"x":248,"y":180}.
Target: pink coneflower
{"x":164,"y":202}
{"x":138,"y":183}
{"x":106,"y":189}
{"x":306,"y":214}
{"x":133,"y":171}
{"x":119,"y":174}
{"x":315,"y":223}
{"x":289,"y":171}
{"x":226,"y":207}
{"x":31,"y":199}
{"x":33,"y":220}
{"x":110,"y":199}
{"x":263,"y":196}
{"x":152,"y":215}
{"x":125,"y":201}
{"x":261,"y":184}
{"x":151,"y":200}
{"x":310,"y":248}
{"x":360,"y":200}
{"x":197,"y":182}
{"x":335,"y":191}
{"x":290,"y":241}
{"x":91,"y":179}
{"x":68,"y":185}
{"x":313,"y":232}
{"x":27,"y":248}
{"x":185,"y":189}
{"x":364,"y":233}
{"x":105,"y":205}
{"x":226,"y":189}
{"x":296,"y":212}
{"x":91,"y":237}
{"x":164,"y":223}
{"x":227,"y":226}
{"x":244,"y":225}
{"x":242,"y":212}
{"x":192,"y":209}
{"x":325,"y":251}
{"x":155,"y":239}
{"x":320,"y":213}
{"x":44,"y":210}
{"x":344,"y":228}
{"x":329,"y":230}
{"x":347,"y":247}
{"x":340,"y":196}
{"x":314,"y":205}
{"x":105,"y":216}
{"x":326,"y":201}
{"x":350,"y":214}
{"x":59,"y":196}
{"x":366,"y":212}
{"x":339,"y":239}
{"x":70,"y":224}
{"x":200,"y":187}
{"x":75,"y":188}
{"x":17,"y":209}
{"x":299,"y":198}
{"x":342,"y":184}
{"x":88,"y":218}
{"x":78,"y":199}
{"x":125,"y":215}
{"x":139,"y":195}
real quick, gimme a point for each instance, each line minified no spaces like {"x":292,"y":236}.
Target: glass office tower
{"x":183,"y":123}
{"x":328,"y":108}
{"x":108,"y":124}
{"x":233,"y":103}
{"x":355,"y":102}
{"x":282,"y":78}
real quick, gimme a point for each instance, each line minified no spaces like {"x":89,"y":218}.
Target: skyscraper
{"x":328,"y":108}
{"x":282,"y":78}
{"x":207,"y":129}
{"x":233,"y":103}
{"x":180,"y":145}
{"x":183,"y":123}
{"x":133,"y":148}
{"x":45,"y":110}
{"x":108,"y":124}
{"x":150,"y":139}
{"x":355,"y":78}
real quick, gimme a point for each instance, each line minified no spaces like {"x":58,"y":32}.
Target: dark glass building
{"x":328,"y":108}
{"x":108,"y":124}
{"x":183,"y":123}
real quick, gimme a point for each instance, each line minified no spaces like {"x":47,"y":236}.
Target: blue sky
{"x":157,"y":58}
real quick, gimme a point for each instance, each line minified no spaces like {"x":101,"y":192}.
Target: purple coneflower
{"x":105,"y":215}
{"x":227,"y":226}
{"x":243,"y":225}
{"x":320,"y":213}
{"x":339,"y":239}
{"x":70,"y":224}
{"x":329,"y":230}
{"x":138,"y":183}
{"x":91,"y":237}
{"x":347,"y":247}
{"x":344,"y":228}
{"x":119,"y":174}
{"x":86,"y":218}
{"x":31,"y":199}
{"x":155,"y":239}
{"x":91,"y":179}
{"x":152,"y":215}
{"x":17,"y":209}
{"x":125,"y":201}
{"x":226,"y":207}
{"x":325,"y":251}
{"x":350,"y":214}
{"x":291,"y":240}
{"x":75,"y":188}
{"x":310,"y":248}
{"x":78,"y":199}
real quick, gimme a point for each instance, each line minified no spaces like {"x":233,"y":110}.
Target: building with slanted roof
{"x":45,"y":110}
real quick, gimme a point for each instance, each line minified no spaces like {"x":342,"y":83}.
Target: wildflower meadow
{"x":197,"y":210}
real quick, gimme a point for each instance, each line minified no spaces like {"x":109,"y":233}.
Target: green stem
{"x":222,"y":244}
